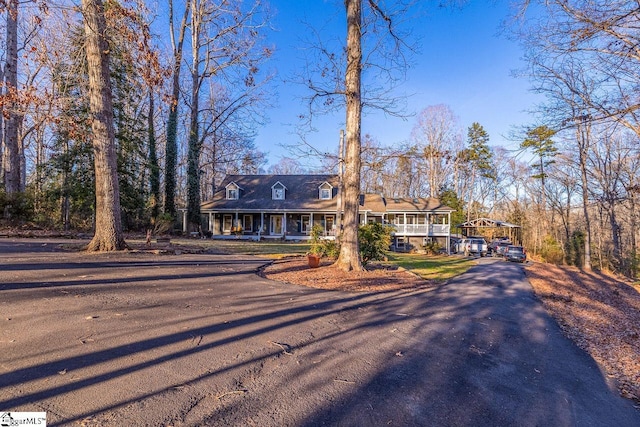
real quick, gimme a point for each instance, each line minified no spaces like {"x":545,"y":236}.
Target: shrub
{"x":316,"y":242}
{"x":163,"y":224}
{"x":577,"y":248}
{"x":375,"y":239}
{"x":331,"y":248}
{"x":551,"y":250}
{"x":16,"y":206}
{"x":432,"y":248}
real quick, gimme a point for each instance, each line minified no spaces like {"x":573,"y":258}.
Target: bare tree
{"x":349,"y":258}
{"x":171,"y":148}
{"x":12,"y":174}
{"x":334,"y":76}
{"x":287,"y":166}
{"x":225,"y":44}
{"x":108,"y":233}
{"x":435,"y":134}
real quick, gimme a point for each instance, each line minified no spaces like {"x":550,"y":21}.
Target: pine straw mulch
{"x":600,"y":313}
{"x":377,"y":277}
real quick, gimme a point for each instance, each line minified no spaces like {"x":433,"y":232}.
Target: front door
{"x":329,"y":223}
{"x":276,"y":225}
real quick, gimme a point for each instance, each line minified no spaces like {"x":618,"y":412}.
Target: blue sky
{"x":463,"y":62}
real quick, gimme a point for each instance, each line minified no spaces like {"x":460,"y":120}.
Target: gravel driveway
{"x":156,"y":340}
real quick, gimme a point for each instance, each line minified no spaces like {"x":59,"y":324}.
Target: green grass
{"x":432,"y":267}
{"x":267,"y":249}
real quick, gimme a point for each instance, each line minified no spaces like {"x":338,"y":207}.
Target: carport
{"x":491,"y":229}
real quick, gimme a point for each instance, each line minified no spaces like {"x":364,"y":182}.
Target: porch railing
{"x":422,"y":229}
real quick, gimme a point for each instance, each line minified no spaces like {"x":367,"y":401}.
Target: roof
{"x":487,"y":222}
{"x":419,"y":204}
{"x":301,"y":195}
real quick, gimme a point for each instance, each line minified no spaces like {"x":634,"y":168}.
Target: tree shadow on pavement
{"x":213,"y":344}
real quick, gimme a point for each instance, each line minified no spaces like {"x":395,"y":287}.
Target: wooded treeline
{"x":187,"y":104}
{"x":190,"y":84}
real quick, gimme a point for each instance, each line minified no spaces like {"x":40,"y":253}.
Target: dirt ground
{"x":599,"y":312}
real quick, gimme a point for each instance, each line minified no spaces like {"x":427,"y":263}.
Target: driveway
{"x":188,"y":340}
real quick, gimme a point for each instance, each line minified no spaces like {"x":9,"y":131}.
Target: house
{"x":288,"y":206}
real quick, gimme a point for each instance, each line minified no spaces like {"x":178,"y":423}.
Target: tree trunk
{"x":12,"y":172}
{"x":171,"y":147}
{"x":193,"y":155}
{"x":633,"y":268}
{"x":108,"y":234}
{"x":154,"y":168}
{"x":583,"y":143}
{"x":471,"y":188}
{"x":171,"y":150}
{"x":349,"y":258}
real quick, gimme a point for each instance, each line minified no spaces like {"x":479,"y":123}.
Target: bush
{"x":331,"y":248}
{"x":375,"y":239}
{"x":16,"y":206}
{"x":576,"y":246}
{"x":551,"y":251}
{"x":316,"y":243}
{"x":323,"y":247}
{"x":163,"y":224}
{"x":432,"y":248}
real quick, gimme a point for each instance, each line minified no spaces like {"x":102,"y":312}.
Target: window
{"x":247,"y":223}
{"x":232,"y":193}
{"x":227,"y":223}
{"x":329,"y":224}
{"x":306,"y":224}
{"x":278,"y":191}
{"x":326,"y":191}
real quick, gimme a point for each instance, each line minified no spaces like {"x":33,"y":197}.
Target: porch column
{"x":449,"y":234}
{"x":261,"y":225}
{"x":184,"y":221}
{"x":211,"y":222}
{"x":284,"y":225}
{"x":405,"y":223}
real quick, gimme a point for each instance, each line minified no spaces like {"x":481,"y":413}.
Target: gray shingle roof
{"x":302,"y":195}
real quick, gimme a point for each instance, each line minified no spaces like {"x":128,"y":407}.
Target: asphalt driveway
{"x":189,"y":340}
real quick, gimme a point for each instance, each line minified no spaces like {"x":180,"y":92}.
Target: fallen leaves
{"x":327,"y":276}
{"x":600,"y":313}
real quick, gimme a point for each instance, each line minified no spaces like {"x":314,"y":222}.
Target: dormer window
{"x":233,"y":191}
{"x":325,"y":191}
{"x":278,"y":191}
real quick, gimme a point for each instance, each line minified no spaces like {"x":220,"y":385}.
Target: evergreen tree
{"x":479,"y":156}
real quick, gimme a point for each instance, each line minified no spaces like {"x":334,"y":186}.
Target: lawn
{"x":432,"y":267}
{"x":265,"y":248}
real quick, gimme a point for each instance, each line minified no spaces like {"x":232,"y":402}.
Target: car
{"x":515,"y":253}
{"x":475,"y":246}
{"x":500,"y":247}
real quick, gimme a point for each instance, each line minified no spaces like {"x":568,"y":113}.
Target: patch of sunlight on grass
{"x":432,"y":267}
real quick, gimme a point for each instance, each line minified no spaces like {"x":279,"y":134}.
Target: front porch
{"x":268,"y":225}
